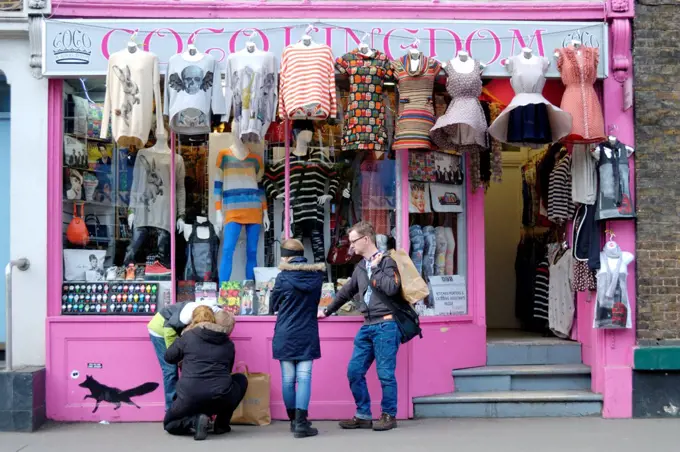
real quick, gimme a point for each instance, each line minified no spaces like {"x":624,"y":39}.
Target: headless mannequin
{"x":232,"y":230}
{"x":614,"y":199}
{"x":463,"y":64}
{"x":141,"y":231}
{"x":576,"y":44}
{"x":612,"y":287}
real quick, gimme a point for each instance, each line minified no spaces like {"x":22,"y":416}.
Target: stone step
{"x":522,"y":378}
{"x":506,"y":404}
{"x":518,"y":353}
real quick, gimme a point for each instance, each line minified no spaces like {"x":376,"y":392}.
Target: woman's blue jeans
{"x":299,"y":372}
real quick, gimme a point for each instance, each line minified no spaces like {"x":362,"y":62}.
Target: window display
{"x":223,"y":165}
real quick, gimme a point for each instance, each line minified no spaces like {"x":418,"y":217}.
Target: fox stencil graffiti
{"x":102,"y":393}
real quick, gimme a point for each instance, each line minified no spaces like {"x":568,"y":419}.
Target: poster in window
{"x":419,"y":198}
{"x":446,"y":198}
{"x":448,"y":169}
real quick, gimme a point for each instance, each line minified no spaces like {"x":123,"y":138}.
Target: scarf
{"x":612,"y":275}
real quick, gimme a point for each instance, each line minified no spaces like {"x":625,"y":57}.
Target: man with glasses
{"x":377,"y":280}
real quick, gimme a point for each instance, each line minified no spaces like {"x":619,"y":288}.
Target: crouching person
{"x":206,"y":386}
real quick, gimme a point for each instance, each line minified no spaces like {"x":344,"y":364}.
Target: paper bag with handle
{"x":413,"y":286}
{"x":254,"y":408}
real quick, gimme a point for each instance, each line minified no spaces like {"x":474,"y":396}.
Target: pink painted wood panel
{"x":124,"y":351}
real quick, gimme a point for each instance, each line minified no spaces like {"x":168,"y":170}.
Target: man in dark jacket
{"x":206,"y":386}
{"x":376,"y":278}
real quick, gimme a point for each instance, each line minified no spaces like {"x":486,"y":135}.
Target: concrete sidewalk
{"x":464,"y":435}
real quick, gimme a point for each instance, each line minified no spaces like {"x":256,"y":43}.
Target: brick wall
{"x":657,"y":136}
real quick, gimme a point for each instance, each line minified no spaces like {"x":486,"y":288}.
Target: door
{"x":4,"y":196}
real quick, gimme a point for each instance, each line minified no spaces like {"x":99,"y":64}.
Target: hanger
{"x":306,"y":38}
{"x":363,"y":46}
{"x":132,"y":44}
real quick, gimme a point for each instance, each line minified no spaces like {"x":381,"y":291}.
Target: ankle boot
{"x":291,"y":416}
{"x":303,"y":428}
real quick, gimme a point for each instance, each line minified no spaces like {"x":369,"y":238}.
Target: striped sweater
{"x":307,"y":182}
{"x":236,"y":188}
{"x":307,"y":82}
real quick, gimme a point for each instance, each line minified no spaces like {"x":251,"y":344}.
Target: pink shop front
{"x":433,"y":121}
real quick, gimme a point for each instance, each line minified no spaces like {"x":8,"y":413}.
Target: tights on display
{"x":314,"y":230}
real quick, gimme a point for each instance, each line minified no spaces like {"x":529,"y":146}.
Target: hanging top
{"x":307,"y":83}
{"x":251,"y":93}
{"x":192,"y":88}
{"x":132,"y":87}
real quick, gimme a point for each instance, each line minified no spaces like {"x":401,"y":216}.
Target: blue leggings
{"x":299,"y":372}
{"x":232,"y":231}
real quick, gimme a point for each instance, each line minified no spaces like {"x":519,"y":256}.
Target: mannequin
{"x":614,"y":200}
{"x":132,"y":88}
{"x":150,"y":205}
{"x":192,"y":89}
{"x":311,"y":171}
{"x":464,"y":64}
{"x":239,"y":170}
{"x":612,"y":309}
{"x":202,"y":248}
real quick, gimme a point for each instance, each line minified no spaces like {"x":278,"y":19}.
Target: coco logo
{"x":72,"y":46}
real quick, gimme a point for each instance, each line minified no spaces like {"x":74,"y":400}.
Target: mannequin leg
{"x":450,"y":250}
{"x":163,"y":246}
{"x":317,"y":242}
{"x":139,"y":235}
{"x":429,"y":252}
{"x":252,"y":237}
{"x":440,"y":252}
{"x":417,"y":245}
{"x":231,"y":234}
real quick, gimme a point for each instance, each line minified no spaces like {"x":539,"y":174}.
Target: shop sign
{"x":448,"y":294}
{"x":81,"y":47}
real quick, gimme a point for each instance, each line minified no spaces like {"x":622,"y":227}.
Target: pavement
{"x":465,"y":435}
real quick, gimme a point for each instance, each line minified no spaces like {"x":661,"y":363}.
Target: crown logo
{"x":72,"y":47}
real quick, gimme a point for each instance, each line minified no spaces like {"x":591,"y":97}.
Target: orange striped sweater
{"x":307,"y":82}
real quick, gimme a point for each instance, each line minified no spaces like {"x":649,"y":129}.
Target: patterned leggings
{"x":314,"y":230}
{"x":417,"y":246}
{"x":429,"y":252}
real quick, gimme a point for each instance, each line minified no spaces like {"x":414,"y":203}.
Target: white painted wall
{"x":28,"y":204}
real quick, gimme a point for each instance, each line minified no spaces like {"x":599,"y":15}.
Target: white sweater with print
{"x":132,"y":85}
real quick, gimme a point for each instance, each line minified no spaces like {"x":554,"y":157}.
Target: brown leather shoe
{"x":356,"y":423}
{"x":386,"y":422}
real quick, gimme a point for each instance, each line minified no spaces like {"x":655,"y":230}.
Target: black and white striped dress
{"x":560,"y":204}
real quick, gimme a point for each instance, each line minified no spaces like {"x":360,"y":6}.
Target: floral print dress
{"x":365,"y":114}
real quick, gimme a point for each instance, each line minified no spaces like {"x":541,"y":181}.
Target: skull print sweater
{"x":192,"y":88}
{"x":132,"y":86}
{"x":150,"y":191}
{"x":251,"y":93}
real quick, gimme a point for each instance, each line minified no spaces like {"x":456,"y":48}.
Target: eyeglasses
{"x":356,"y":240}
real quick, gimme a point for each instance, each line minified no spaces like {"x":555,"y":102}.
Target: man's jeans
{"x":379,"y":342}
{"x":170,"y":374}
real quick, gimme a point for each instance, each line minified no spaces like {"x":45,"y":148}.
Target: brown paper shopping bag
{"x":254,"y":409}
{"x":413,"y":286}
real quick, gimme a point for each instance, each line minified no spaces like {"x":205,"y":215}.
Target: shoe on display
{"x":111,"y":273}
{"x":120,"y":273}
{"x":139,"y":273}
{"x":157,"y":271}
{"x":130,"y":273}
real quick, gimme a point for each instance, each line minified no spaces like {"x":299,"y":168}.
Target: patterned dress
{"x":578,"y":69}
{"x":416,"y":113}
{"x":463,"y":126}
{"x":365,"y":114}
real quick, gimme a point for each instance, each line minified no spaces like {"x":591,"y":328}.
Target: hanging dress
{"x":416,"y":112}
{"x":578,"y":68}
{"x":463,"y":126}
{"x":530,"y":120}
